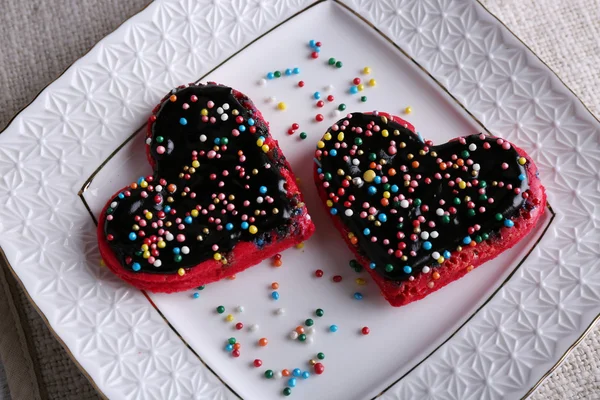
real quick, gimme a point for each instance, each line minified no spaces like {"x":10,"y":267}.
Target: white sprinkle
{"x":311,"y":330}
{"x":157,"y":263}
{"x":220,"y":110}
{"x":435,"y":255}
{"x":280,"y":311}
{"x":434,"y":234}
{"x":185,"y":250}
{"x":226,"y":106}
{"x":309,"y":339}
{"x":253,"y":327}
{"x":224,"y":117}
{"x":476,"y":167}
{"x":113,"y":204}
{"x":262,"y":82}
{"x":149,"y":141}
{"x":329,"y":87}
{"x":336,"y":113}
{"x":271,"y":99}
{"x":424,"y":235}
{"x":426,"y":269}
{"x":349,"y":213}
{"x":259,"y":200}
{"x":169,"y":236}
{"x":404,"y":203}
{"x":355,"y":161}
{"x":472,"y":147}
{"x":158,"y":188}
{"x":239,"y":309}
{"x":439,"y":211}
{"x":203,"y":138}
{"x":278,"y":374}
{"x":293,"y":335}
{"x":357,"y":181}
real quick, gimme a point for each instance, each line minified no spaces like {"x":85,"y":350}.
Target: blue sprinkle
{"x":296,"y":71}
{"x":167,"y":209}
{"x":132,"y":236}
{"x":292,"y":382}
{"x":229,"y":226}
{"x":140,"y":180}
{"x":382,"y":217}
{"x":288,"y":71}
{"x":394,"y":188}
{"x":217,"y":141}
{"x":263,"y":189}
{"x":250,"y":121}
{"x":372,"y":190}
{"x":242,"y":128}
{"x":407,"y":269}
{"x":261,"y":138}
{"x":427,"y":245}
{"x":176,"y":250}
{"x":196,"y":295}
{"x":447,"y":254}
{"x":188,"y":220}
{"x":319,"y":170}
{"x":372,"y":265}
{"x":420,"y":137}
{"x":333,"y":328}
{"x":260,"y":242}
{"x":121,"y":196}
{"x":135,"y":266}
{"x":333,"y":152}
{"x":467,"y":240}
{"x":229,"y":347}
{"x":317,"y":95}
{"x":270,"y":75}
{"x":353,"y":89}
{"x":317,"y":49}
{"x":183,"y":121}
{"x":522,"y":177}
{"x":377,"y":180}
{"x":508,"y":223}
{"x":244,"y":225}
{"x":275,"y":295}
{"x":358,"y":296}
{"x":333,"y":211}
{"x":305,"y":374}
{"x":312,"y":43}
{"x":296,"y":372}
{"x":366,"y":231}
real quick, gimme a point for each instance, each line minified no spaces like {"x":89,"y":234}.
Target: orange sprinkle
{"x":354,"y":240}
{"x":300,"y":330}
{"x":263,"y":342}
{"x":473,"y":243}
{"x":443,"y":166}
{"x":373,"y":165}
{"x":133,"y":185}
{"x":415,"y":164}
{"x":277,"y":263}
{"x":436,"y":275}
{"x":171,"y":188}
{"x":173,"y":98}
{"x":231,"y":278}
{"x":460,"y":162}
{"x":391,"y":172}
{"x":384,"y":202}
{"x":285,"y":372}
{"x":274,"y":285}
{"x":470,"y":268}
{"x":237,"y":346}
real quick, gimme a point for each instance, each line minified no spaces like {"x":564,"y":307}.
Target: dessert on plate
{"x":221,"y":198}
{"x":416,"y":215}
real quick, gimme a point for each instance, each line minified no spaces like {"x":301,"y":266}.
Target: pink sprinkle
{"x":500,"y":141}
{"x":392,"y":150}
{"x":204,"y":118}
{"x":211,"y":154}
{"x":373,"y":239}
{"x":462,"y":140}
{"x":212,"y":120}
{"x":506,"y":145}
{"x":481,"y":209}
{"x":491,"y":200}
{"x":181,"y":227}
{"x":185,"y":106}
{"x":210,"y":104}
{"x":235,"y":132}
{"x":142,"y":223}
{"x":504,"y":166}
{"x":160,"y":149}
{"x":109,"y":217}
{"x":144,"y":194}
{"x":180,"y":238}
{"x":193,"y":99}
{"x":486,"y":145}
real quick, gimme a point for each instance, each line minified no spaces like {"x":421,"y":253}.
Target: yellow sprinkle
{"x":195,"y":164}
{"x":300,"y":245}
{"x":327,"y":136}
{"x":462,"y":184}
{"x":253,"y":229}
{"x":217,"y":256}
{"x":522,"y":161}
{"x":340,"y":136}
{"x":144,"y":184}
{"x":102,"y":264}
{"x":386,"y":194}
{"x":372,"y":82}
{"x":385,"y":133}
{"x":366,"y":70}
{"x":145,"y":247}
{"x":146,"y":254}
{"x":148,"y":215}
{"x":369,"y":175}
{"x":408,"y":110}
{"x":229,"y":318}
{"x":194,"y":213}
{"x":350,"y":235}
{"x":320,"y":144}
{"x":259,"y":142}
{"x":181,"y":272}
{"x":281,"y":105}
{"x":360,"y":281}
{"x":162,"y":244}
{"x":329,"y":203}
{"x":265,"y":148}
{"x":440,"y":260}
{"x":361,"y":87}
{"x":204,"y":112}
{"x":340,"y":172}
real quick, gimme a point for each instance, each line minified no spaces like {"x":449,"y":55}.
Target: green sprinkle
{"x":482,"y":184}
{"x":277,"y":74}
{"x":303,"y":135}
{"x":483,"y":197}
{"x":339,"y":64}
{"x":372,"y":156}
{"x":387,"y":186}
{"x":478,"y":239}
{"x":471,"y":212}
{"x":389,"y":268}
{"x":160,"y":139}
{"x":202,"y":288}
{"x":464,"y":154}
{"x":446,"y":219}
{"x":309,"y":322}
{"x":354,"y":263}
{"x":327,"y":176}
{"x":109,"y":210}
{"x":417,"y":202}
{"x":224,"y":141}
{"x":456,"y":201}
{"x":220,"y":309}
{"x":363,"y":99}
{"x":231,"y":340}
{"x":331,"y":61}
{"x":485,"y":236}
{"x":287,"y":391}
{"x":342,"y":107}
{"x":302,"y":337}
{"x":319,"y":312}
{"x":178,"y":257}
{"x":268,"y":374}
{"x":321,"y":356}
{"x":357,"y":141}
{"x":499,"y":217}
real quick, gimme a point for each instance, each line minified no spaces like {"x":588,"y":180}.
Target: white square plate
{"x":502,"y":327}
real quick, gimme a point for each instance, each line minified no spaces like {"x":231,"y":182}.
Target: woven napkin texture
{"x":39,"y":39}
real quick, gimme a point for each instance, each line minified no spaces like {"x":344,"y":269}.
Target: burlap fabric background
{"x":38,"y":39}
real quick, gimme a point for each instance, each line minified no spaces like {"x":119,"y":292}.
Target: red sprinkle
{"x":318,"y":44}
{"x":314,"y":54}
{"x":291,"y":131}
{"x":257,"y":363}
{"x":319,"y":117}
{"x":235,"y":353}
{"x":337,"y":278}
{"x":356,"y":81}
{"x":239,"y":326}
{"x":365,"y":330}
{"x":320,"y":103}
{"x":319,"y":368}
{"x":277,"y":256}
{"x":330,"y":98}
{"x":295,"y":126}
{"x":319,"y":273}
{"x":301,"y":84}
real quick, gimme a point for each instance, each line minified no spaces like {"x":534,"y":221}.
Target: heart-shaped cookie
{"x":419,"y":216}
{"x":222,"y":196}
